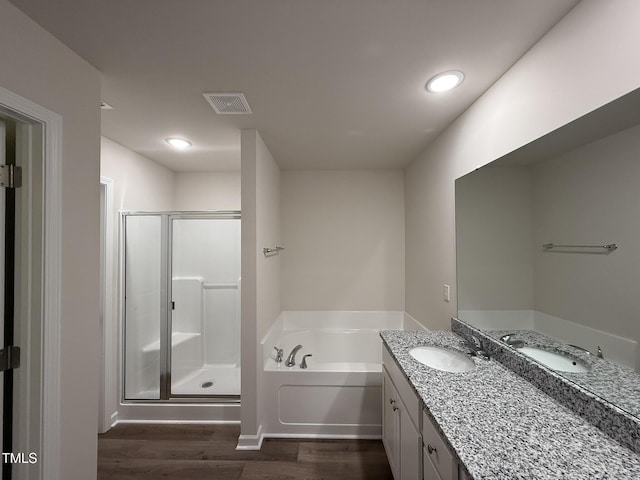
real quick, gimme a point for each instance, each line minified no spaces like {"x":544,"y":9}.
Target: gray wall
{"x":590,"y":195}
{"x":564,"y":76}
{"x":38,"y":67}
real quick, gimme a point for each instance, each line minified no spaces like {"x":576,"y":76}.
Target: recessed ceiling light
{"x":445,"y":81}
{"x":180,"y":143}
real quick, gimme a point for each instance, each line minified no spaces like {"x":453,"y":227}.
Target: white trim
{"x":323,"y":436}
{"x":251,"y":442}
{"x":178,"y":412}
{"x":109,"y":387}
{"x":180,"y":422}
{"x":49,"y":458}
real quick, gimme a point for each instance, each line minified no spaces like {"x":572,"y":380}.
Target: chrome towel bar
{"x":610,"y":246}
{"x":274,"y":250}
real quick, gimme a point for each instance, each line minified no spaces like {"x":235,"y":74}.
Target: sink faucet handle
{"x":279,"y":353}
{"x":599,"y":352}
{"x":303,"y":363}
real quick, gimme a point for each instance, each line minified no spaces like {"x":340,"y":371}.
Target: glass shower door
{"x":205,"y":306}
{"x":144,"y":298}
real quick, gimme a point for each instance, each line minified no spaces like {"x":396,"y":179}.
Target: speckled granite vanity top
{"x":502,"y":427}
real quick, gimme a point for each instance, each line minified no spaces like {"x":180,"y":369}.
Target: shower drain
{"x":207,"y":384}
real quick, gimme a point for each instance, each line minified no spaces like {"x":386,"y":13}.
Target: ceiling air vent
{"x":228,"y":103}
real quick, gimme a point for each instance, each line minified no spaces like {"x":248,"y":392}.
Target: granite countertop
{"x":502,"y":427}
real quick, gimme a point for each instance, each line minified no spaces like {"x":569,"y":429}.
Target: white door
{"x":20,"y":298}
{"x":2,"y":198}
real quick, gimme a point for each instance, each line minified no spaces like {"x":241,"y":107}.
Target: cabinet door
{"x":410,"y":447}
{"x":436,"y":451}
{"x":391,"y":424}
{"x":430,"y":472}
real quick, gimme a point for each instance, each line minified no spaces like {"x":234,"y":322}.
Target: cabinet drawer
{"x":408,"y":395}
{"x":436,"y":450}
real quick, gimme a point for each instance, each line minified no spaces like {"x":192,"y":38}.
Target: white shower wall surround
{"x":339,"y":394}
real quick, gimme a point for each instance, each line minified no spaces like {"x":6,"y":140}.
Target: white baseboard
{"x":113,"y":419}
{"x":251,"y":442}
{"x":180,"y":422}
{"x":322,"y":436}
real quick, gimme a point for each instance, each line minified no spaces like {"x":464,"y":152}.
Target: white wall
{"x":38,"y":67}
{"x":590,"y":195}
{"x":207,"y":191}
{"x":260,"y":274}
{"x":494,"y":217}
{"x":344,"y":236}
{"x":567,"y":74}
{"x":139,"y":184}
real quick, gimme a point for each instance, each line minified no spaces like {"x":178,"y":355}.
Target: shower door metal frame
{"x":166,"y":252}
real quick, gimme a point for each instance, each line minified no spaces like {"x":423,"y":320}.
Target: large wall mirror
{"x":577,"y":188}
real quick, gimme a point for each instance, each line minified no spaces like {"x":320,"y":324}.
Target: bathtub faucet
{"x":291,"y":359}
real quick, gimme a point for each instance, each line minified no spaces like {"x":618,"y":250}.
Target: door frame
{"x":108,"y":399}
{"x":51,"y":232}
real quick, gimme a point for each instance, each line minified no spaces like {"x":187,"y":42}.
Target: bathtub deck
{"x":146,"y":452}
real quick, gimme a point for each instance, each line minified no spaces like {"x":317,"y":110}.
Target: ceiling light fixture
{"x":180,"y":143}
{"x":445,"y":81}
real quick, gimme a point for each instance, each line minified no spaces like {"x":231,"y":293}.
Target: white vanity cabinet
{"x":415,"y":449}
{"x":401,"y":423}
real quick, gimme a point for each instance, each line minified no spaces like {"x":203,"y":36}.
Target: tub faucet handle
{"x":279,"y":354}
{"x":303,"y":363}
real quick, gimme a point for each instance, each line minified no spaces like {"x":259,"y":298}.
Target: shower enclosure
{"x":181,"y":307}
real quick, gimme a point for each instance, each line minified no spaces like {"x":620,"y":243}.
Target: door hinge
{"x":10,"y":176}
{"x":9,"y":358}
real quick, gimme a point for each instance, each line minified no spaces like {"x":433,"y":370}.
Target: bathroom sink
{"x":442,"y":359}
{"x":555,"y":360}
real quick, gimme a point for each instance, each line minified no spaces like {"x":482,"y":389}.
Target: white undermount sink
{"x":442,"y":359}
{"x":555,"y":360}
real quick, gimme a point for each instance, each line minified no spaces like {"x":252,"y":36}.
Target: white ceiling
{"x":332,"y":83}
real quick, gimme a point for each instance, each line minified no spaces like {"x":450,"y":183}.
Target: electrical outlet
{"x":446,"y":293}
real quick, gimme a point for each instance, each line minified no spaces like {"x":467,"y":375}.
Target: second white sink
{"x":442,"y":359}
{"x":555,"y":361}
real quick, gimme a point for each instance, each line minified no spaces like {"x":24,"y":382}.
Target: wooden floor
{"x":199,"y":452}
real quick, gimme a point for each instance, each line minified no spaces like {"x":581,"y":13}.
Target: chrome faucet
{"x":476,"y":348}
{"x":279,"y":353}
{"x":598,"y":354}
{"x":291,"y":359}
{"x":512,"y":342}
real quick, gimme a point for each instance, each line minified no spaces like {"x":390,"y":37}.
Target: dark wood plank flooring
{"x":199,"y":452}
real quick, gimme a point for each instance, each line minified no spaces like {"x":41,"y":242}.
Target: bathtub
{"x":339,"y":394}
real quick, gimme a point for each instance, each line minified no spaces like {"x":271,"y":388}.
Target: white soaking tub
{"x":339,"y":394}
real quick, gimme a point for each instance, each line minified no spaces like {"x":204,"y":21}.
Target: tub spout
{"x":291,"y":359}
